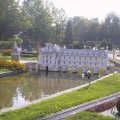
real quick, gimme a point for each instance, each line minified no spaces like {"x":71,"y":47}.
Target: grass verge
{"x":22,"y":58}
{"x":89,"y":116}
{"x":28,"y":58}
{"x":99,"y":89}
{"x":4,"y":70}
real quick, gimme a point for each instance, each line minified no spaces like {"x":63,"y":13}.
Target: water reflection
{"x":22,"y":89}
{"x":19,"y":100}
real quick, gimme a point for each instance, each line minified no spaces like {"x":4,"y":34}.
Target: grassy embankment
{"x":99,"y":89}
{"x":89,"y":116}
{"x":4,"y":70}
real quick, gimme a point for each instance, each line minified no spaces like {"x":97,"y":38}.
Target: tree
{"x":80,"y":71}
{"x":58,"y":25}
{"x":47,"y":22}
{"x":80,"y":29}
{"x":111,"y":29}
{"x":40,"y":20}
{"x":101,"y":72}
{"x":118,"y":106}
{"x":93,"y":30}
{"x":11,"y":19}
{"x":69,"y":35}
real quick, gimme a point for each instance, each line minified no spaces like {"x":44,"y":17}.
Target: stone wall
{"x":104,"y":106}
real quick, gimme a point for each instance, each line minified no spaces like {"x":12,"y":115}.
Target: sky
{"x":88,"y":8}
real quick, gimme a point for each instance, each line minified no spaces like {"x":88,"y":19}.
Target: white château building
{"x":55,"y":58}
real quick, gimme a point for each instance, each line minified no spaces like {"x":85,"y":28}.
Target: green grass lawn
{"x":89,"y":116}
{"x":4,"y":70}
{"x":22,"y":58}
{"x":5,"y":57}
{"x":99,"y":89}
{"x":28,"y":58}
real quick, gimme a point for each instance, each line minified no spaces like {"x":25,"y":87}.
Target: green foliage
{"x":118,"y":106}
{"x":90,"y":32}
{"x":80,"y":71}
{"x":8,"y":44}
{"x":18,"y":40}
{"x":4,"y":70}
{"x":89,"y":116}
{"x":97,"y":90}
{"x":39,"y":18}
{"x":69,"y":35}
{"x":69,"y":72}
{"x":40,"y":21}
{"x":11,"y":19}
{"x":102,"y":72}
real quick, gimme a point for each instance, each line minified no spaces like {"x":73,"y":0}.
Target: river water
{"x":19,"y":90}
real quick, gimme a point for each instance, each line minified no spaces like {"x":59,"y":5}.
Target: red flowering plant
{"x":7,"y":52}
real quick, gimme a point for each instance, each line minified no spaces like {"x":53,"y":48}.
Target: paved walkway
{"x":28,"y":61}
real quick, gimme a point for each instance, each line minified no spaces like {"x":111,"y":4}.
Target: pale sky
{"x":88,"y":8}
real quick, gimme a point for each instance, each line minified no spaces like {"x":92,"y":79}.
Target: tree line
{"x":39,"y":21}
{"x":36,"y":21}
{"x":80,"y":30}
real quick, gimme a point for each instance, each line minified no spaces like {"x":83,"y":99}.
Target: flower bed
{"x":7,"y":52}
{"x":12,"y":65}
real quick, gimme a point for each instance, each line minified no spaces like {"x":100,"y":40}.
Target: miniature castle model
{"x":55,"y":58}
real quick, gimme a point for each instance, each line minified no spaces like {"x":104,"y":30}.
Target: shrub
{"x":7,"y":52}
{"x":8,"y":43}
{"x":80,"y":71}
{"x":2,"y":64}
{"x":12,"y":65}
{"x":118,"y":106}
{"x":101,"y":72}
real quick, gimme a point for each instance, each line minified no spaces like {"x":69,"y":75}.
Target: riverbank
{"x":4,"y":70}
{"x":9,"y":73}
{"x":97,"y":90}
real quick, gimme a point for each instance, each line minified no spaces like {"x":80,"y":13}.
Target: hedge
{"x":12,"y":65}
